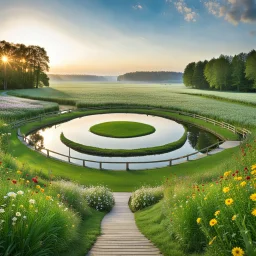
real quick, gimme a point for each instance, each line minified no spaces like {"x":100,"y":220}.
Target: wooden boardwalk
{"x":120,"y":235}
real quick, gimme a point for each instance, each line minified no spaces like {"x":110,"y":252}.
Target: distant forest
{"x":229,"y":73}
{"x":22,"y":66}
{"x":160,"y":76}
{"x":81,"y":78}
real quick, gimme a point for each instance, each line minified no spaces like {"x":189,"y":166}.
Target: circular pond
{"x":166,"y":131}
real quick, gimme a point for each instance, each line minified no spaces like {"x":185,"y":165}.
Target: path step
{"x":120,"y":235}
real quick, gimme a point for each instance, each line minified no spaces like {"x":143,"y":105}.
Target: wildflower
{"x":237,"y":251}
{"x":38,"y":186}
{"x":32,"y":201}
{"x":14,"y":219}
{"x":12,"y":194}
{"x":213,"y":222}
{"x":21,"y":206}
{"x":253,"y":197}
{"x":58,"y":195}
{"x":18,"y":214}
{"x":254,"y":212}
{"x":229,"y":201}
{"x":14,"y":181}
{"x":242,"y":184}
{"x":42,"y":190}
{"x":198,"y":220}
{"x":234,"y":217}
{"x":19,"y":172}
{"x":2,"y":210}
{"x":211,"y":242}
{"x":226,"y":174}
{"x":48,"y":197}
{"x":35,"y":180}
{"x":253,"y":167}
{"x":24,"y":217}
{"x":20,"y":192}
{"x":217,"y":213}
{"x":226,"y":189}
{"x":27,"y":181}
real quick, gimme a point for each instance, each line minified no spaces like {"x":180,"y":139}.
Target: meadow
{"x":160,"y":95}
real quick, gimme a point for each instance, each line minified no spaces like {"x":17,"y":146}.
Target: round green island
{"x":122,"y":129}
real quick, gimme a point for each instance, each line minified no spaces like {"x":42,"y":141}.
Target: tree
{"x":198,"y":79}
{"x":26,"y":65}
{"x":188,"y":74}
{"x":209,"y":74}
{"x":250,"y":67}
{"x":222,"y":73}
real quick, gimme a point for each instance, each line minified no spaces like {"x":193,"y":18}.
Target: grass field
{"x":122,"y":129}
{"x":169,"y":96}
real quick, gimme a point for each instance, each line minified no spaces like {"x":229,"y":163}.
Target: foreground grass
{"x":154,"y":225}
{"x":122,"y":129}
{"x":88,"y":232}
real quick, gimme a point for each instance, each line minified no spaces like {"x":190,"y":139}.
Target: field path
{"x":120,"y":235}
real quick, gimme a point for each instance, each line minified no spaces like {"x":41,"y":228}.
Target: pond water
{"x":167,"y":131}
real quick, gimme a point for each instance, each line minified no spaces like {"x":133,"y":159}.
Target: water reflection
{"x":166,"y":132}
{"x":37,"y":139}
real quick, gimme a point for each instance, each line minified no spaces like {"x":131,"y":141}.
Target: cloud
{"x":137,"y":7}
{"x":234,"y":11}
{"x":181,"y":6}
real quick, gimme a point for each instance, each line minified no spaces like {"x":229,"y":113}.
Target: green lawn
{"x":122,"y":129}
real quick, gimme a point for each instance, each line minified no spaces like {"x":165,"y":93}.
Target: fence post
{"x":187,"y":158}
{"x":48,"y":154}
{"x":100,"y":165}
{"x":170,"y":163}
{"x":207,"y":152}
{"x":127,"y":166}
{"x":83,"y":163}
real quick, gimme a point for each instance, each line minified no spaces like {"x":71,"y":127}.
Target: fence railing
{"x":236,"y":130}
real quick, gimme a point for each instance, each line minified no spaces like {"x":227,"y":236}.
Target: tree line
{"x":23,"y":66}
{"x":234,"y":73}
{"x":147,"y":76}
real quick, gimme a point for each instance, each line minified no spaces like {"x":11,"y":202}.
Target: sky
{"x":112,"y":37}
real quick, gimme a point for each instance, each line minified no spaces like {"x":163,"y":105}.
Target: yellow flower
{"x":238,"y":178}
{"x":226,"y":174}
{"x":226,"y":189}
{"x":27,"y":181}
{"x":211,"y":242}
{"x":42,"y":190}
{"x":205,"y":198}
{"x":198,"y":220}
{"x":21,"y":206}
{"x":254,"y":212}
{"x":48,"y":197}
{"x":234,"y":217}
{"x":253,"y":197}
{"x":237,"y":251}
{"x":38,"y":186}
{"x":217,"y":213}
{"x":253,"y":172}
{"x":58,"y":195}
{"x":242,"y":184}
{"x":253,"y":167}
{"x":19,"y":172}
{"x":229,"y":201}
{"x":213,"y":222}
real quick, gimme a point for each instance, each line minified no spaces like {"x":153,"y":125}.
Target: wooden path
{"x":120,"y":235}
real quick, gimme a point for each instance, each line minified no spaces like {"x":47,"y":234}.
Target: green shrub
{"x":99,"y":198}
{"x":72,"y":195}
{"x":145,"y":197}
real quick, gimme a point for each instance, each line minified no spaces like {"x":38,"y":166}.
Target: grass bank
{"x":125,"y":152}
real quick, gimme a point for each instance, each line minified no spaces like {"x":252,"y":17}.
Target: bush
{"x":99,"y":198}
{"x":72,"y":195}
{"x":145,"y":197}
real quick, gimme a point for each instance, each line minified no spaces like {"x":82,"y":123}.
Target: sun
{"x":4,"y":59}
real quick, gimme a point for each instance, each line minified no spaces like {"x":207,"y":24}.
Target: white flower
{"x":18,"y":214}
{"x":32,"y":201}
{"x":12,"y":194}
{"x":20,"y":192}
{"x":24,"y":217}
{"x":2,"y":210}
{"x":14,"y":219}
